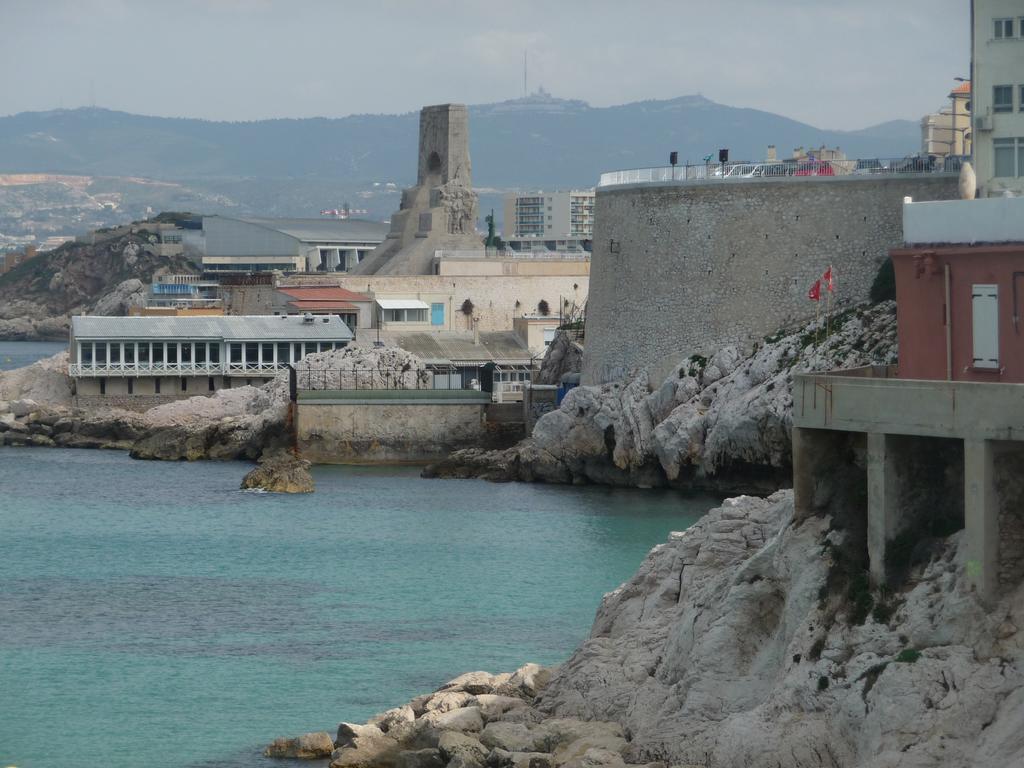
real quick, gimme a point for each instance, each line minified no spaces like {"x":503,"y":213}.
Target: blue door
{"x":437,"y":314}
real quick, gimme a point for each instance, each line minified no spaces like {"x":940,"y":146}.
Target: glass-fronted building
{"x":185,"y":356}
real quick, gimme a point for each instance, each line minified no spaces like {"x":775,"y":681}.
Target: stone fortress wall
{"x":683,"y":268}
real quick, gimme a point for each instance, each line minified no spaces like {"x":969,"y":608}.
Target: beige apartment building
{"x":549,"y":219}
{"x":997,"y":98}
{"x":948,"y":131}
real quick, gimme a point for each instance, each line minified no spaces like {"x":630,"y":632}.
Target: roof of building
{"x":402,"y":304}
{"x":313,"y":305}
{"x":319,"y":293}
{"x":226,"y":327}
{"x":459,"y":347}
{"x":322,"y":230}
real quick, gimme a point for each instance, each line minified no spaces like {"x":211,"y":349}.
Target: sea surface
{"x":17,"y":354}
{"x":152,"y":614}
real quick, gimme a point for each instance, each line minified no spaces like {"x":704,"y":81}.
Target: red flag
{"x":815,"y":293}
{"x":829,"y":281}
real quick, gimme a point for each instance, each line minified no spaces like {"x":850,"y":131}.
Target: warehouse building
{"x":288,"y":245}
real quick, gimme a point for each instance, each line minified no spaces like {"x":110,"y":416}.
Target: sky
{"x":842,"y":64}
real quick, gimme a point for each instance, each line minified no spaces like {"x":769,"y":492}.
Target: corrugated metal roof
{"x":458,"y":347}
{"x":314,"y":304}
{"x":402,"y":304}
{"x":324,"y":230}
{"x":227,"y":327}
{"x":323,"y":293}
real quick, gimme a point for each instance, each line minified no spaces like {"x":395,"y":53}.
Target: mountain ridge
{"x":537,"y":141}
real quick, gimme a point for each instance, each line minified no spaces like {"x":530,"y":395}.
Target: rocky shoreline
{"x":721,"y":424}
{"x":477,"y":720}
{"x":750,"y":639}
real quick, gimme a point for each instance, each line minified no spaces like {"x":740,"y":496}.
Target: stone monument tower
{"x":440,"y":212}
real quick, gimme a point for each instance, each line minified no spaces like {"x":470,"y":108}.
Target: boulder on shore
{"x":308,"y":746}
{"x":280,"y":471}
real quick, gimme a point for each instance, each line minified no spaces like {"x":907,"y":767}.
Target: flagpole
{"x":828,"y":313}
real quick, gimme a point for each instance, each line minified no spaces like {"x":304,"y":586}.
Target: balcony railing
{"x":79,"y":370}
{"x":783,"y":169}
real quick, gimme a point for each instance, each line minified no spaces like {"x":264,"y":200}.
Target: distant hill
{"x":535,"y":142}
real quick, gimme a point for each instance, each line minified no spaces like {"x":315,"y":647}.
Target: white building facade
{"x":997,"y":99}
{"x":186,"y":356}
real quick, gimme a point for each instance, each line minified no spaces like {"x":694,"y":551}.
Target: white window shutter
{"x":985,"y":319}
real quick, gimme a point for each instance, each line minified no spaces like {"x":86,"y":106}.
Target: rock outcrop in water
{"x":280,"y":471}
{"x":721,"y":423}
{"x":751,"y":639}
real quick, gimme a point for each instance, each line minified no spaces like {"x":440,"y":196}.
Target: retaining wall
{"x":384,"y":427}
{"x":686,"y":268}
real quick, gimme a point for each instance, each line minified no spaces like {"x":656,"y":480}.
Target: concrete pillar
{"x":981,"y":518}
{"x":883,"y":502}
{"x":819,"y":461}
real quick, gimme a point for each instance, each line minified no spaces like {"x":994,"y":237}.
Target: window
{"x":209,"y":383}
{"x":1003,"y":150}
{"x":252,"y":352}
{"x":215,"y":353}
{"x":1020,"y":101}
{"x":1003,"y":29}
{"x":282,"y":353}
{"x":268,"y":354}
{"x":115,"y":354}
{"x":310,"y":347}
{"x":1002,"y":98}
{"x":236,"y":353}
{"x":437,"y":313}
{"x":144,"y":354}
{"x":405,"y":315}
{"x":103,"y":386}
{"x":129,"y":354}
{"x":184,"y":384}
{"x":86,"y":356}
{"x":201,"y":353}
{"x":131,"y":386}
{"x":186,"y":353}
{"x":156,"y":386}
{"x":101,"y":353}
{"x":172,"y":353}
{"x":985,"y":325}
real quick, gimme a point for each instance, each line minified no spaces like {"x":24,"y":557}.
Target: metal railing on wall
{"x":783,"y":169}
{"x":434,"y":377}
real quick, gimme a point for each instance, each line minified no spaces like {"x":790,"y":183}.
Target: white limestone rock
{"x":45,"y":382}
{"x":308,"y":746}
{"x":358,"y":366}
{"x":707,"y":656}
{"x":466,"y":720}
{"x":475,"y":683}
{"x":445,"y":701}
{"x":127,"y":294}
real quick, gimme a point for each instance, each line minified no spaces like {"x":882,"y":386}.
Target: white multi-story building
{"x":549,"y":216}
{"x":997,"y":99}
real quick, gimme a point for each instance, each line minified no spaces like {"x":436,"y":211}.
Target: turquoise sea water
{"x":151,"y":614}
